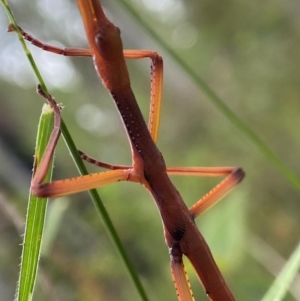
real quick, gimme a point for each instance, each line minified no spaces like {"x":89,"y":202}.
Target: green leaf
{"x":36,"y":211}
{"x":283,"y":281}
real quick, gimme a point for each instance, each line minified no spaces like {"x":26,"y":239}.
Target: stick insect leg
{"x":216,"y":290}
{"x":155,"y":100}
{"x":156,"y":81}
{"x":156,"y":86}
{"x":102,"y":164}
{"x":73,"y":185}
{"x":68,"y":51}
{"x":42,"y":169}
{"x":179,"y":275}
{"x":156,"y":73}
{"x":79,"y":184}
{"x":233,"y":176}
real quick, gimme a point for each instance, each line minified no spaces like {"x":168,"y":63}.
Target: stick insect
{"x":148,"y":167}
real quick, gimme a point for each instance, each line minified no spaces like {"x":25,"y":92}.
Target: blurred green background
{"x":248,"y":52}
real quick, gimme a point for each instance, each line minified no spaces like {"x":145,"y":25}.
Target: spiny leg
{"x":44,"y":162}
{"x":156,"y":86}
{"x":156,"y":72}
{"x":198,"y":252}
{"x":179,"y":275}
{"x":73,"y":185}
{"x":68,"y":51}
{"x":79,"y":184}
{"x":155,"y":100}
{"x":102,"y":164}
{"x":234,"y":175}
{"x":218,"y":192}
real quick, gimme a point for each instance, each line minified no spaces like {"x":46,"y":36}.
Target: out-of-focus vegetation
{"x":248,"y":53}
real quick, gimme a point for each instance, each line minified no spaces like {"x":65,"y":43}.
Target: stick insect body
{"x":148,"y":167}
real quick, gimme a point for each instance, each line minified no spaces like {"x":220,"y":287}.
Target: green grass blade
{"x":283,"y":281}
{"x":286,"y":172}
{"x":35,"y":215}
{"x":82,"y":170}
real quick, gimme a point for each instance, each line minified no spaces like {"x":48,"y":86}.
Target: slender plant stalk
{"x":82,"y":169}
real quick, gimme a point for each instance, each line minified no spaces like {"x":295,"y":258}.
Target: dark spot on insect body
{"x":179,"y":233}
